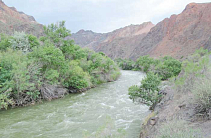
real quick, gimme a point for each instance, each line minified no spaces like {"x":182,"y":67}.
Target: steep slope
{"x":11,"y":20}
{"x":179,"y":35}
{"x":119,"y":43}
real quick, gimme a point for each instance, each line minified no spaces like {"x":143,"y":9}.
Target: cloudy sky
{"x":100,"y":15}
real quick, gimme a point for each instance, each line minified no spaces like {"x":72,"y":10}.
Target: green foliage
{"x":48,"y":56}
{"x":125,"y":64}
{"x":56,"y":33}
{"x":202,"y":95}
{"x":51,"y":76}
{"x":148,"y":92}
{"x":168,"y":67}
{"x":178,"y":129}
{"x":27,"y":66}
{"x":72,"y":51}
{"x":33,"y":41}
{"x":4,"y":43}
{"x":165,"y":67}
{"x":77,"y":78}
{"x":19,"y":77}
{"x":192,"y":68}
{"x":144,"y":63}
{"x":20,"y":41}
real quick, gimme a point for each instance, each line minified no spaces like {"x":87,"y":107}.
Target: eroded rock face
{"x":12,"y":20}
{"x":119,"y":43}
{"x":179,"y":35}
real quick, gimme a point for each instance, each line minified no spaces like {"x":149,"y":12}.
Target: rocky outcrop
{"x":179,"y":35}
{"x":119,"y":43}
{"x":12,"y":20}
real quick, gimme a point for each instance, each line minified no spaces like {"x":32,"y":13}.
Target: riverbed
{"x":100,"y":111}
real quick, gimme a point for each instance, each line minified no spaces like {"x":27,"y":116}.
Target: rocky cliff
{"x":179,"y":35}
{"x":119,"y":43}
{"x":12,"y":20}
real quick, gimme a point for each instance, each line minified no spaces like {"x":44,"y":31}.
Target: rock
{"x":118,"y":43}
{"x":12,"y":20}
{"x":50,"y":92}
{"x":177,"y":36}
{"x":153,"y":121}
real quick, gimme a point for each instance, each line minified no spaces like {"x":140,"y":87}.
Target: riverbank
{"x":103,"y":110}
{"x":173,"y":109}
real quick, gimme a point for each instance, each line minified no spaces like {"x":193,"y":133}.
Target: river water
{"x":100,"y":111}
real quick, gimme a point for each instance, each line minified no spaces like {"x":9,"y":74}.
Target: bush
{"x":144,"y":63}
{"x":148,"y":92}
{"x":192,"y":68}
{"x":20,"y":41}
{"x":4,"y":43}
{"x":56,"y":33}
{"x":19,"y":77}
{"x":125,"y":64}
{"x":177,"y":129}
{"x":202,"y":96}
{"x":77,"y":78}
{"x":30,"y":65}
{"x":48,"y":56}
{"x":168,"y":67}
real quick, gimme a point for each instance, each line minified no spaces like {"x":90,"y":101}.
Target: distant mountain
{"x":179,"y":35}
{"x":12,"y":20}
{"x":119,"y":43}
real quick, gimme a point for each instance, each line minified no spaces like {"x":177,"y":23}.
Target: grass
{"x":177,"y":129}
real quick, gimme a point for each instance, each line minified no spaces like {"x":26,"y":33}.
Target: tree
{"x":56,"y":33}
{"x":148,"y":92}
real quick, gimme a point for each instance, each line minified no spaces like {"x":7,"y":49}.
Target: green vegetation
{"x":28,"y":64}
{"x":148,"y":92}
{"x":157,"y":70}
{"x":195,"y":78}
{"x":125,"y":64}
{"x":145,"y":63}
{"x":165,"y":67}
{"x":177,"y":129}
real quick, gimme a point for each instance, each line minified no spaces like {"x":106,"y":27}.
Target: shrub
{"x":20,"y":81}
{"x":144,"y":63}
{"x":56,"y":33}
{"x":49,"y":56}
{"x":202,"y":96}
{"x":148,"y":92}
{"x":168,"y":67}
{"x":29,"y":65}
{"x":125,"y":64}
{"x":20,"y":41}
{"x":4,"y":43}
{"x":192,"y":68}
{"x":33,"y":41}
{"x":177,"y":129}
{"x":77,"y":78}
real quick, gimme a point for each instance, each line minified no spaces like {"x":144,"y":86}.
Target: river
{"x":99,"y":111}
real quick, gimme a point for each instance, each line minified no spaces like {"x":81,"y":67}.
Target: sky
{"x":99,"y":15}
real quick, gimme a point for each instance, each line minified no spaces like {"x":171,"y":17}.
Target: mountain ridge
{"x":177,"y":36}
{"x":114,"y":44}
{"x":13,"y":20}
